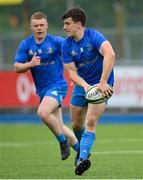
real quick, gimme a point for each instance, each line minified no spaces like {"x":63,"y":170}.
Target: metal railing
{"x":128,"y":46}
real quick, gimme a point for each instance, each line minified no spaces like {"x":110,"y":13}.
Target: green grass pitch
{"x":31,"y":152}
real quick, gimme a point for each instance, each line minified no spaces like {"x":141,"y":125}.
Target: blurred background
{"x":121,"y":21}
{"x":28,"y":149}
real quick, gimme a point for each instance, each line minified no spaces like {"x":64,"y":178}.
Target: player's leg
{"x":93,"y":114}
{"x":78,"y":110}
{"x":45,"y":111}
{"x":77,"y":115}
{"x":71,"y":137}
{"x":67,"y":131}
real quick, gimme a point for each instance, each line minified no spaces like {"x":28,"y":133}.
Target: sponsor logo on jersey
{"x":30,"y":52}
{"x":89,"y":47}
{"x":39,"y":51}
{"x":73,"y":53}
{"x":49,"y":50}
{"x":54,"y":93}
{"x":81,"y":50}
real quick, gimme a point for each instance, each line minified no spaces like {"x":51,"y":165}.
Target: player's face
{"x":39,"y":28}
{"x":70,"y":27}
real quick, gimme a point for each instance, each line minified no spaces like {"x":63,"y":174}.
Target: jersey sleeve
{"x":98,"y":39}
{"x":21,"y":54}
{"x":66,"y":56}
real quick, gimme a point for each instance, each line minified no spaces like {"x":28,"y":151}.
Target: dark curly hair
{"x":77,"y":14}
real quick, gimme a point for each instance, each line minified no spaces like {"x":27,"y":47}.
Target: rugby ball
{"x":94,"y":96}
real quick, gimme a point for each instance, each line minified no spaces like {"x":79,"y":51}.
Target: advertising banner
{"x":18,"y":90}
{"x":128,"y":88}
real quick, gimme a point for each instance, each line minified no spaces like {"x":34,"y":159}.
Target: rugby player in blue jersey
{"x":89,"y":58}
{"x":41,"y":53}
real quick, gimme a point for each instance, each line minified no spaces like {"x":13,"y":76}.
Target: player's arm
{"x":108,"y":62}
{"x":71,"y":68}
{"x":23,"y":67}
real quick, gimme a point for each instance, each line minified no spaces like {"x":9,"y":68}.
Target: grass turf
{"x":31,"y":152}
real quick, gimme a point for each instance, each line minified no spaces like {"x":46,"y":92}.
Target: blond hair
{"x":39,"y":15}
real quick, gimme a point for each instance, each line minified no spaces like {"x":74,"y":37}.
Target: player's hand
{"x":86,"y":87}
{"x":35,"y":61}
{"x":105,"y":89}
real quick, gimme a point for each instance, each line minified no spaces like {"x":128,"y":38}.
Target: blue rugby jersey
{"x":85,"y":53}
{"x":50,"y":71}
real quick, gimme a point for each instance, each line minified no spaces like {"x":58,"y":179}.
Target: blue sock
{"x":79,"y":133}
{"x":75,"y":146}
{"x":61,"y":138}
{"x":86,"y":144}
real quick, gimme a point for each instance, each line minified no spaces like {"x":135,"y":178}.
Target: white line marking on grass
{"x":47,"y":142}
{"x":24,"y":144}
{"x":118,"y":152}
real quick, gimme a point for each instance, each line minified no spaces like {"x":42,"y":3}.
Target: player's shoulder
{"x":91,"y":31}
{"x":94,"y":34}
{"x":27,"y":41}
{"x":29,"y":38}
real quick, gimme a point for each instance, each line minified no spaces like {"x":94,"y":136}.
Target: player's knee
{"x":42,"y":114}
{"x":77,"y":126}
{"x":91,"y":121}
